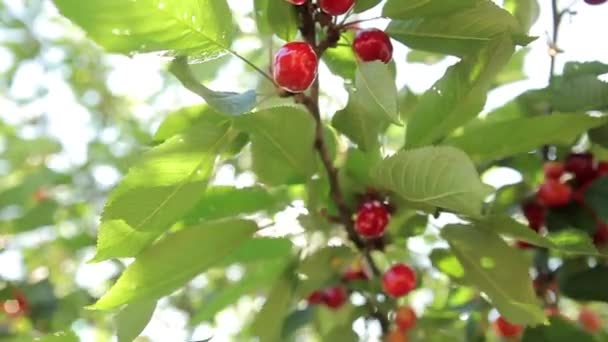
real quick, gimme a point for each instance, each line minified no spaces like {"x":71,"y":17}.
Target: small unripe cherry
{"x":535,"y":213}
{"x":296,"y":2}
{"x":590,"y":320}
{"x":295,"y":66}
{"x":554,"y":170}
{"x":581,"y":165}
{"x":595,"y":2}
{"x":504,"y":328}
{"x":405,"y":318}
{"x":396,"y":335}
{"x":372,"y":219}
{"x":336,"y":7}
{"x":554,"y":193}
{"x":373,"y":45}
{"x":335,"y":297}
{"x":316,"y":297}
{"x":399,"y":280}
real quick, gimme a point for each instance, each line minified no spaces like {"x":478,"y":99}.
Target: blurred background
{"x":73,"y":118}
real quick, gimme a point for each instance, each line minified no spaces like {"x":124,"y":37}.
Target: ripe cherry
{"x":590,"y":320}
{"x":334,"y":297}
{"x":316,"y":297}
{"x":296,"y":2}
{"x":535,"y":213}
{"x":355,"y":272}
{"x":336,"y":7}
{"x":373,"y":45}
{"x":554,"y":170}
{"x":581,"y":165}
{"x":602,"y":169}
{"x":504,"y":328}
{"x":554,"y":193}
{"x":399,"y":280}
{"x":595,"y":2}
{"x":396,"y":335}
{"x":295,"y":66}
{"x":405,"y":318}
{"x":600,"y":237}
{"x":372,"y":219}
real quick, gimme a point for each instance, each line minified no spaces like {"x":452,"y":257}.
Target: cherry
{"x":602,"y":169}
{"x":600,"y":237}
{"x":296,"y":2}
{"x":355,"y":272}
{"x":295,"y":66}
{"x":373,"y":45}
{"x":554,"y":194}
{"x":523,"y":244}
{"x":581,"y":165}
{"x":336,"y":7}
{"x":595,"y":2}
{"x":554,"y":170}
{"x":335,"y":297}
{"x":316,"y":297}
{"x":504,"y":328}
{"x":535,"y":213}
{"x":405,"y":318}
{"x":17,"y":306}
{"x":399,"y":280}
{"x":372,"y":219}
{"x":590,"y":320}
{"x":41,"y":195}
{"x":579,"y":193}
{"x":396,"y":335}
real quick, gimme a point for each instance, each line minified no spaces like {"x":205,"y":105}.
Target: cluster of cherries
{"x":295,"y":64}
{"x":566,"y":183}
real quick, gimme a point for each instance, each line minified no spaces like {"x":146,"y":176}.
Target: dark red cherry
{"x":600,"y":237}
{"x":373,"y":45}
{"x":295,"y":66}
{"x":372,"y":219}
{"x":335,"y":297}
{"x":317,"y":297}
{"x":554,"y":193}
{"x":581,"y":165}
{"x":535,"y":213}
{"x":504,"y":328}
{"x":602,"y":169}
{"x":336,"y":7}
{"x":554,"y":170}
{"x":399,"y":280}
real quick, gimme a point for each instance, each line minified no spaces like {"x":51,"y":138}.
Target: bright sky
{"x":581,"y":38}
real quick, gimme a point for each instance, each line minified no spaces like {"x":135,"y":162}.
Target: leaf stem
{"x":255,"y":67}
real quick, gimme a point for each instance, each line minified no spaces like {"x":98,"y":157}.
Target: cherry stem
{"x":311,"y":102}
{"x":255,"y":67}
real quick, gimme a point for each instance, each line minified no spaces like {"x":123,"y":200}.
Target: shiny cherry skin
{"x":590,"y":320}
{"x":405,"y":318}
{"x":316,"y":297}
{"x":535,"y":213}
{"x":581,"y":165}
{"x":554,"y":170}
{"x":600,"y":237}
{"x":399,"y":280}
{"x":296,"y":2}
{"x":295,"y":66}
{"x":504,"y":328}
{"x":373,"y":45}
{"x":554,"y":193}
{"x":396,"y":335}
{"x":335,"y":297}
{"x":595,"y":2}
{"x":372,"y":219}
{"x":336,"y":7}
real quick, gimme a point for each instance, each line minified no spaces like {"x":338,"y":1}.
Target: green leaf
{"x":443,"y":177}
{"x":459,"y":96}
{"x":268,"y":323}
{"x":133,"y":319}
{"x":360,"y":126}
{"x":573,"y":69}
{"x":376,"y":91}
{"x":181,"y":120}
{"x":364,"y":5}
{"x":419,"y":56}
{"x":525,"y":11}
{"x":509,"y":137}
{"x":514,"y":70}
{"x":498,"y":270}
{"x":41,"y":214}
{"x":162,"y":187}
{"x":584,"y":284}
{"x":260,"y":249}
{"x":176,"y":259}
{"x":116,"y":239}
{"x":323,"y":268}
{"x":61,"y":336}
{"x":282,"y":144}
{"x":197,"y":28}
{"x":447,"y":263}
{"x":282,"y":19}
{"x":560,"y":330}
{"x":579,"y":93}
{"x":341,"y":60}
{"x":458,"y":33}
{"x":397,"y":9}
{"x":596,"y":197}
{"x":227,"y":201}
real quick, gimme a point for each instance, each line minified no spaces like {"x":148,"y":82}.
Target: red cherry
{"x":41,"y":195}
{"x":554,"y":194}
{"x":316,"y":297}
{"x":335,"y":297}
{"x":600,"y":237}
{"x":355,"y":272}
{"x":504,"y":328}
{"x":523,"y":244}
{"x":295,"y":66}
{"x":396,"y":335}
{"x":373,"y":45}
{"x":372,"y":219}
{"x":399,"y":280}
{"x":602,"y":169}
{"x":554,"y":170}
{"x":535,"y":213}
{"x":581,"y":165}
{"x":296,"y":2}
{"x":336,"y":7}
{"x":405,"y":318}
{"x":595,"y":2}
{"x":590,"y":320}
